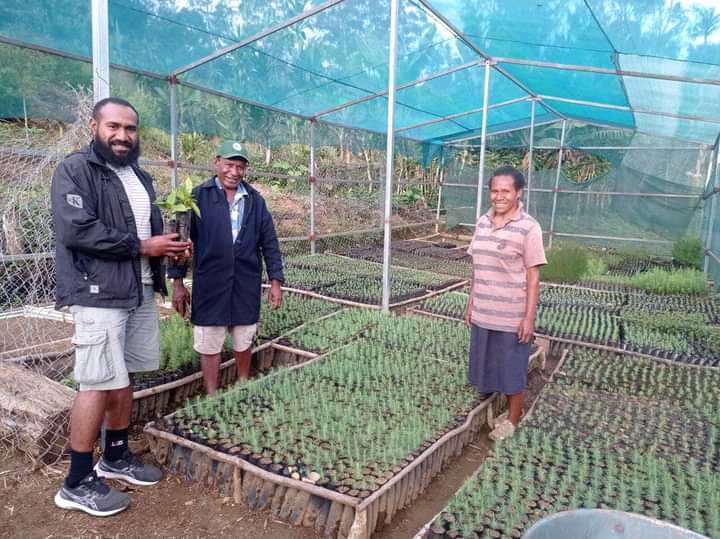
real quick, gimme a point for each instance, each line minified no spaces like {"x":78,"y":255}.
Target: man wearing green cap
{"x":234,"y":230}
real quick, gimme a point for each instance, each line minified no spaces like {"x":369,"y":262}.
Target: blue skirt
{"x":497,"y":362}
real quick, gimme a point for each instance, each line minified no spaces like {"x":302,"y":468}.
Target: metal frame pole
{"x":625,"y":108}
{"x":457,"y":115}
{"x":439,"y":197}
{"x":410,"y":84}
{"x":390,"y":149}
{"x":483,"y":140}
{"x":530,"y":153}
{"x":257,"y":37}
{"x":313,"y":180}
{"x":100,"y":50}
{"x":557,"y":182}
{"x":713,"y":213}
{"x":173,"y":131}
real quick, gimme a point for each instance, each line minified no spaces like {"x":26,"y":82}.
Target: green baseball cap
{"x":231,"y":149}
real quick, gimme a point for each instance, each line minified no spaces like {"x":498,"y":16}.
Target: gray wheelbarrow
{"x":605,"y":524}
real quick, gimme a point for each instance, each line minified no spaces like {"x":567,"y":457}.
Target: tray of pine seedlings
{"x":345,"y":440}
{"x":609,"y":432}
{"x":359,"y":282}
{"x":296,"y":310}
{"x":675,"y":336}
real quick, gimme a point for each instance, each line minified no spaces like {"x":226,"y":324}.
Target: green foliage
{"x":196,"y":148}
{"x":674,"y":331}
{"x":688,"y":252}
{"x":355,"y":415}
{"x":180,"y":200}
{"x":176,"y":343}
{"x":295,"y":310}
{"x":358,"y":280}
{"x":596,"y":266}
{"x":409,"y":198}
{"x":610,"y":432}
{"x":660,"y":281}
{"x":333,"y":331}
{"x":450,"y":304}
{"x":567,"y":263}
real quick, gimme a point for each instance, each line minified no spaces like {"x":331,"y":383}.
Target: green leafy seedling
{"x":179,"y":200}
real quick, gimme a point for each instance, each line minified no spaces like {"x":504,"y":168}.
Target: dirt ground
{"x":175,"y":508}
{"x":171,"y":508}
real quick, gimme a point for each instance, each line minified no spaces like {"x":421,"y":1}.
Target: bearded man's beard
{"x":104,"y":151}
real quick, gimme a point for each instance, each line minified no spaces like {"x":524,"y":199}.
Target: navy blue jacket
{"x":97,"y":253}
{"x":226,"y":275}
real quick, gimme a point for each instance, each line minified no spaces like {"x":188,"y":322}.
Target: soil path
{"x":171,"y":508}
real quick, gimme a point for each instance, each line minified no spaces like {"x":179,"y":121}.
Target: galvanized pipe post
{"x":100,"y":50}
{"x":557,"y":182}
{"x":173,"y":131}
{"x":713,"y":212}
{"x":531,"y":146}
{"x":313,"y":179}
{"x":483,"y":141}
{"x":389,"y":153}
{"x":439,"y":198}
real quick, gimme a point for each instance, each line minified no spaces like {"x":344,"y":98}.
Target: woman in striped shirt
{"x":507,"y":252}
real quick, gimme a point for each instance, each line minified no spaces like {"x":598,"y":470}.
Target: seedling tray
{"x":304,"y":504}
{"x":159,"y":400}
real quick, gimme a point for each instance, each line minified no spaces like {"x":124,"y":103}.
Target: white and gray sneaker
{"x":504,"y":429}
{"x":129,"y":468}
{"x":92,"y":496}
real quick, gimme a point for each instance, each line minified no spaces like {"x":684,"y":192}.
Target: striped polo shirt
{"x":140,"y":204}
{"x":501,"y":257}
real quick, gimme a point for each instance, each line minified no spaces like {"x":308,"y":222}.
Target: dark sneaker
{"x":129,"y":468}
{"x":92,"y":496}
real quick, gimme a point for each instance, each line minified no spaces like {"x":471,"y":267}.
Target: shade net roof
{"x":580,"y":59}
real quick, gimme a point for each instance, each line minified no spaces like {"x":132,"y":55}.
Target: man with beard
{"x":109,"y":265}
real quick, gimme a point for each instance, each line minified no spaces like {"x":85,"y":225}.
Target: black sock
{"x":80,"y":467}
{"x":116,"y":442}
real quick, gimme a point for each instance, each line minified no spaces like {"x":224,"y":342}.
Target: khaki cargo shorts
{"x":110,"y":343}
{"x":209,"y":340}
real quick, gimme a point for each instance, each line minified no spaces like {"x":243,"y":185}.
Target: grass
{"x":660,"y":281}
{"x":566,"y":264}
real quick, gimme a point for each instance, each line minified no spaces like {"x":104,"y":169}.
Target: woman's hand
{"x":526,"y":330}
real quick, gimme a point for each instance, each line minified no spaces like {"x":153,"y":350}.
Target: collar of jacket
{"x":210,"y":184}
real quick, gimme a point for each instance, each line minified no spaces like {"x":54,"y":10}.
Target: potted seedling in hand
{"x":176,"y":208}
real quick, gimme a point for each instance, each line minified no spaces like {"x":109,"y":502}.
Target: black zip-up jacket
{"x":97,"y":260}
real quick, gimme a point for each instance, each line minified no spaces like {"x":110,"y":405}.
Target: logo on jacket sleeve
{"x":74,"y":200}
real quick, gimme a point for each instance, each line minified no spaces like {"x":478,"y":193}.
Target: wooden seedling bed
{"x":157,"y":401}
{"x":304,"y":504}
{"x":394,"y":306}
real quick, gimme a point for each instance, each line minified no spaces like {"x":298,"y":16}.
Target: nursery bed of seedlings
{"x":367,"y":426}
{"x":360,"y":281}
{"x":296,"y":310}
{"x":331,"y":332}
{"x":633,"y":435}
{"x":629,"y":266}
{"x":678,"y":330}
{"x":178,"y":359}
{"x":672,"y":335}
{"x":454,"y":262}
{"x":179,"y":378}
{"x":579,"y":322}
{"x":708,"y":306}
{"x":567,"y":295}
{"x":450,"y":305}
